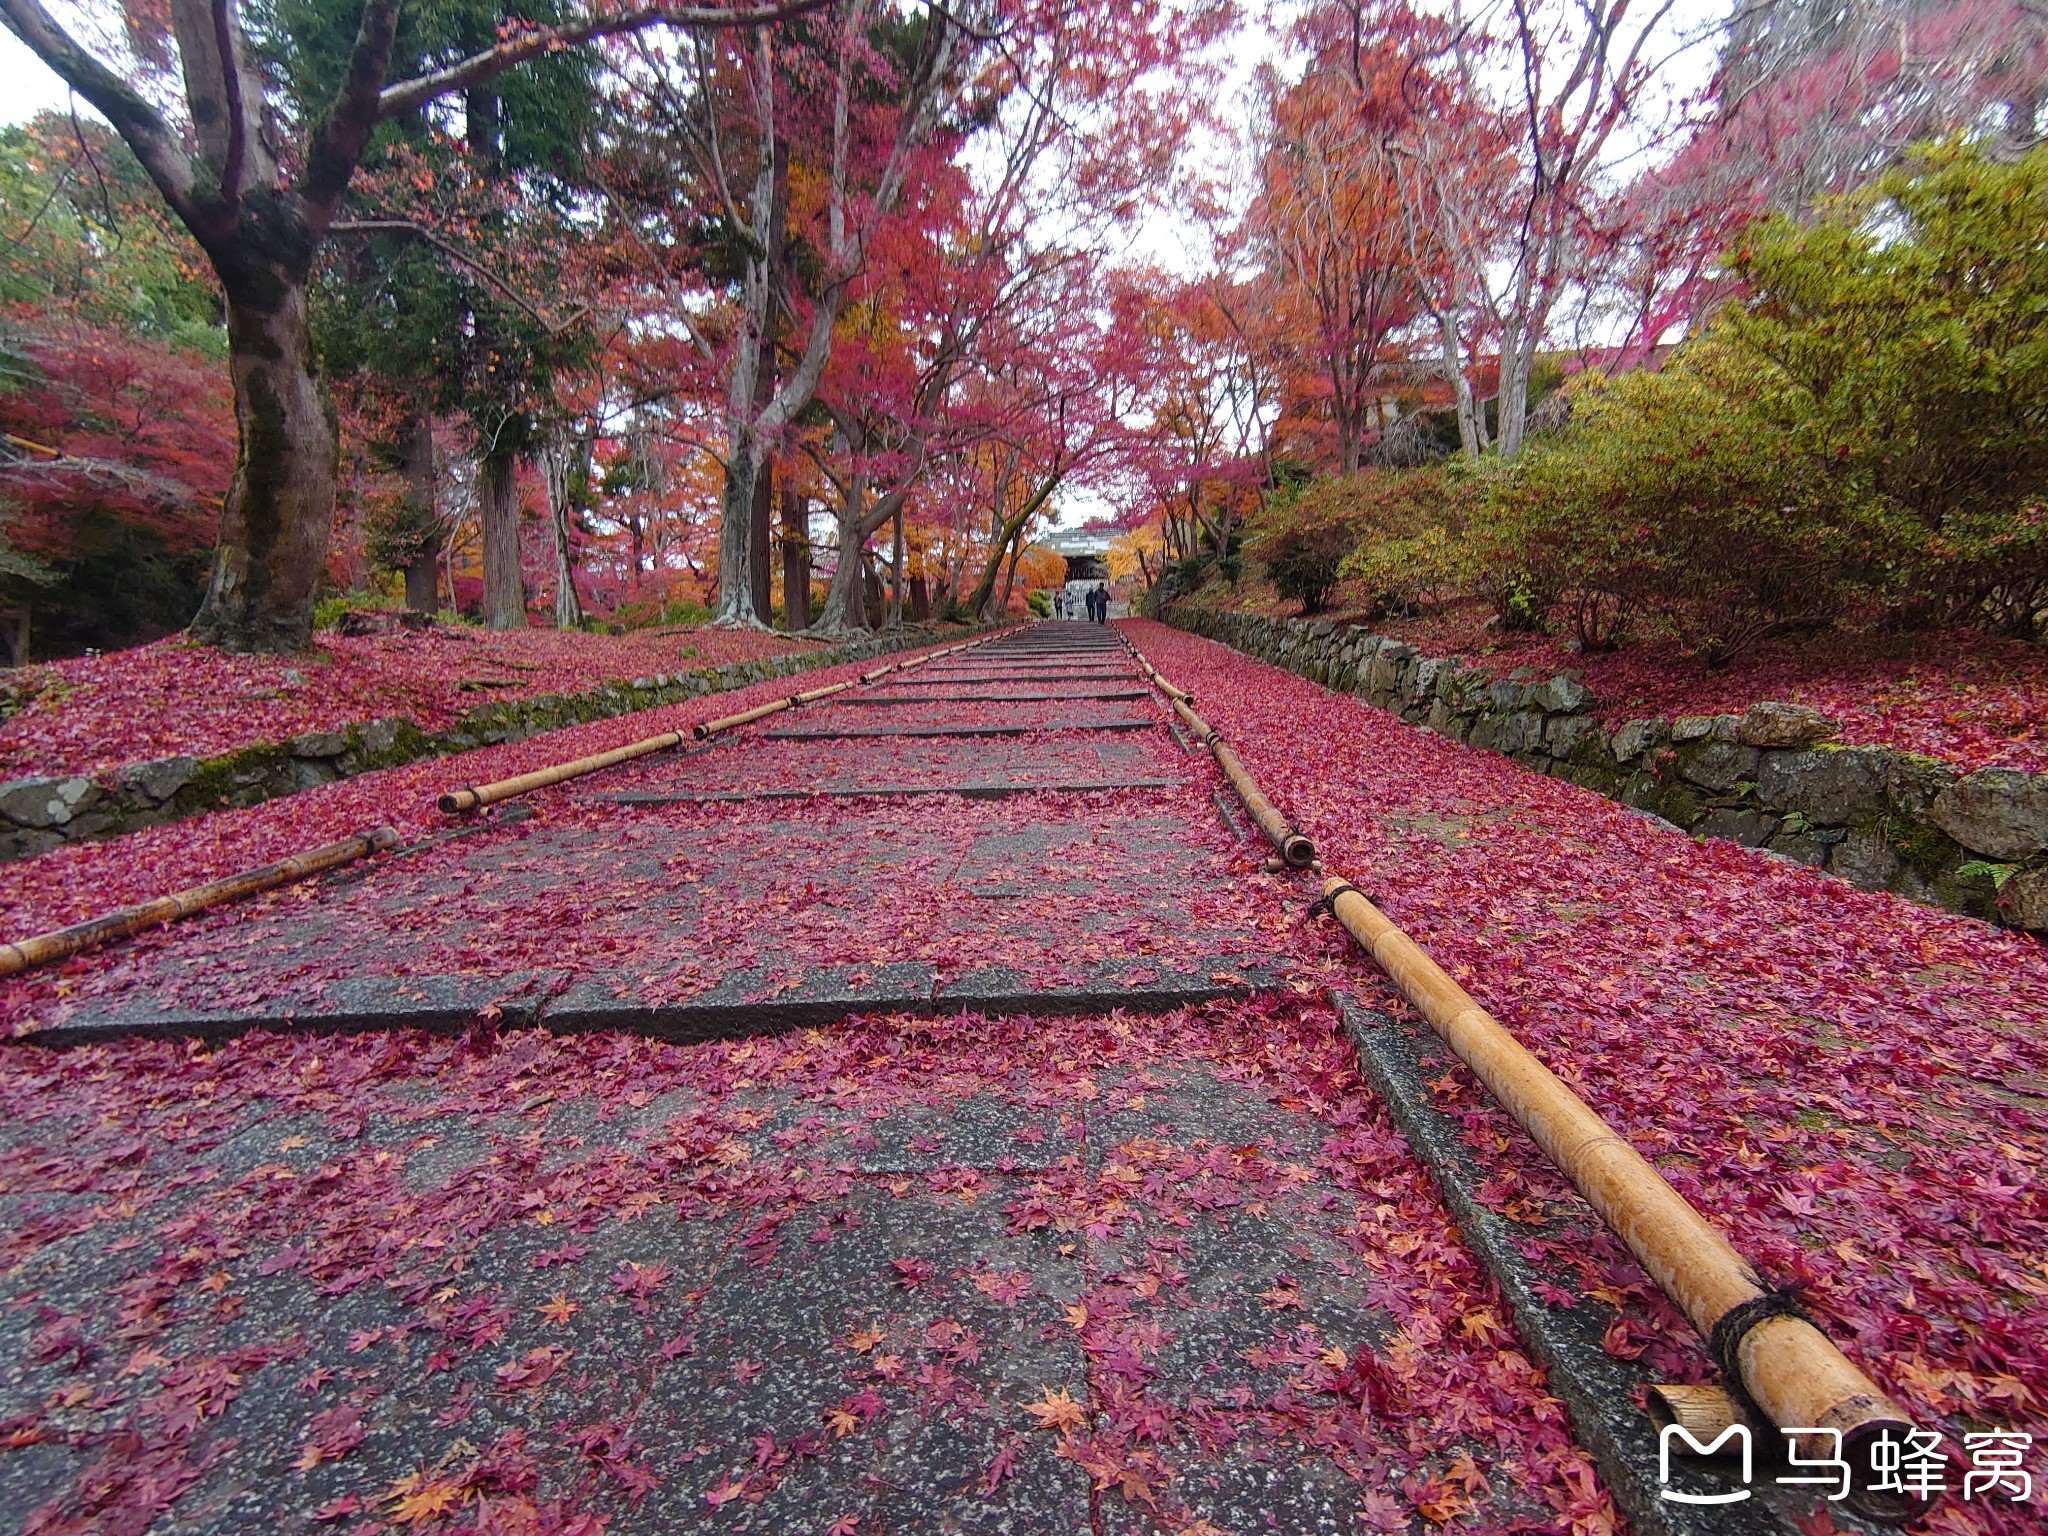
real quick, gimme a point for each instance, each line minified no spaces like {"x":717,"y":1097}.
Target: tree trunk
{"x":796,"y":561}
{"x":1010,"y":580}
{"x":1007,"y":532}
{"x":736,"y":527}
{"x":1513,"y":397}
{"x":846,"y":597}
{"x":274,"y":524}
{"x":920,"y":600}
{"x":1471,"y":427}
{"x":896,"y":571}
{"x":422,"y":482}
{"x":498,"y":513}
{"x":555,"y":468}
{"x":762,"y":536}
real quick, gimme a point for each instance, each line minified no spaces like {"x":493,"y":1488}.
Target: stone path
{"x":1045,"y":1274}
{"x":934,"y":1123}
{"x":780,"y":877}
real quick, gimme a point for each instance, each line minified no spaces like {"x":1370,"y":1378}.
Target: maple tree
{"x":1327,"y":216}
{"x":260,"y":207}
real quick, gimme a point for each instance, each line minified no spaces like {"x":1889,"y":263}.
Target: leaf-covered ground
{"x":1124,"y":1273}
{"x":1973,"y":699}
{"x":80,"y":880}
{"x":1854,"y":1086}
{"x":91,"y":714}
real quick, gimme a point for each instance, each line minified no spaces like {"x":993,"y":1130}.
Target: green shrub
{"x":1039,"y":603}
{"x":1671,"y":495}
{"x":1903,"y":342}
{"x":1302,"y":564}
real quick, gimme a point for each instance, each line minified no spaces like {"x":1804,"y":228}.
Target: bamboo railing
{"x":62,"y":943}
{"x":1791,"y":1370}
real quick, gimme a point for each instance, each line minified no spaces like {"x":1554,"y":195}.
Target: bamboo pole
{"x":1789,"y":1368}
{"x":1295,"y":849}
{"x":474,"y":797}
{"x":816,"y":694}
{"x":1194,"y":722}
{"x":744,"y":717}
{"x":61,"y":943}
{"x":1178,"y":695}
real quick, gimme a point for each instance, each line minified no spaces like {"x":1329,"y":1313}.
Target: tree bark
{"x":498,"y":513}
{"x":1471,"y":425}
{"x":274,"y":524}
{"x":762,"y":538}
{"x":896,"y":571}
{"x":736,"y":526}
{"x":422,"y":481}
{"x":1513,"y":395}
{"x":796,"y":560}
{"x":555,"y":468}
{"x":846,"y":596}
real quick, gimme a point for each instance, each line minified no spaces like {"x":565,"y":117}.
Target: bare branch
{"x":153,"y":140}
{"x":456,"y":253}
{"x":409,"y":95}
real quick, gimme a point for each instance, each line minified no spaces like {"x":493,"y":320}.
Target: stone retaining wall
{"x":38,"y":814}
{"x":1769,"y":779}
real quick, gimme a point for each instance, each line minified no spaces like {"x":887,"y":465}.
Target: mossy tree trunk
{"x":279,"y":509}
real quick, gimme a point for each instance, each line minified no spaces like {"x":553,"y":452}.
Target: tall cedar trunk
{"x":422,"y":480}
{"x":796,"y":561}
{"x":736,"y":527}
{"x":554,"y":461}
{"x":846,"y":597}
{"x":742,"y":559}
{"x":896,"y":572}
{"x":763,"y":539}
{"x":504,"y":590}
{"x":279,"y":509}
{"x":920,"y":600}
{"x":636,"y":550}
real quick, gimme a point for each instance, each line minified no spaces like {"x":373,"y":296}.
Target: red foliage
{"x":1822,"y":1070}
{"x":91,"y":714}
{"x":145,"y":430}
{"x":1972,"y":699}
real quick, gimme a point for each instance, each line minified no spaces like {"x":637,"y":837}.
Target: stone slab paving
{"x":957,"y":1245}
{"x":816,"y":1286}
{"x":781,"y":878}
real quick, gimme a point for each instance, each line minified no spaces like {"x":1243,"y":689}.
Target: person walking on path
{"x":1101,"y":596}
